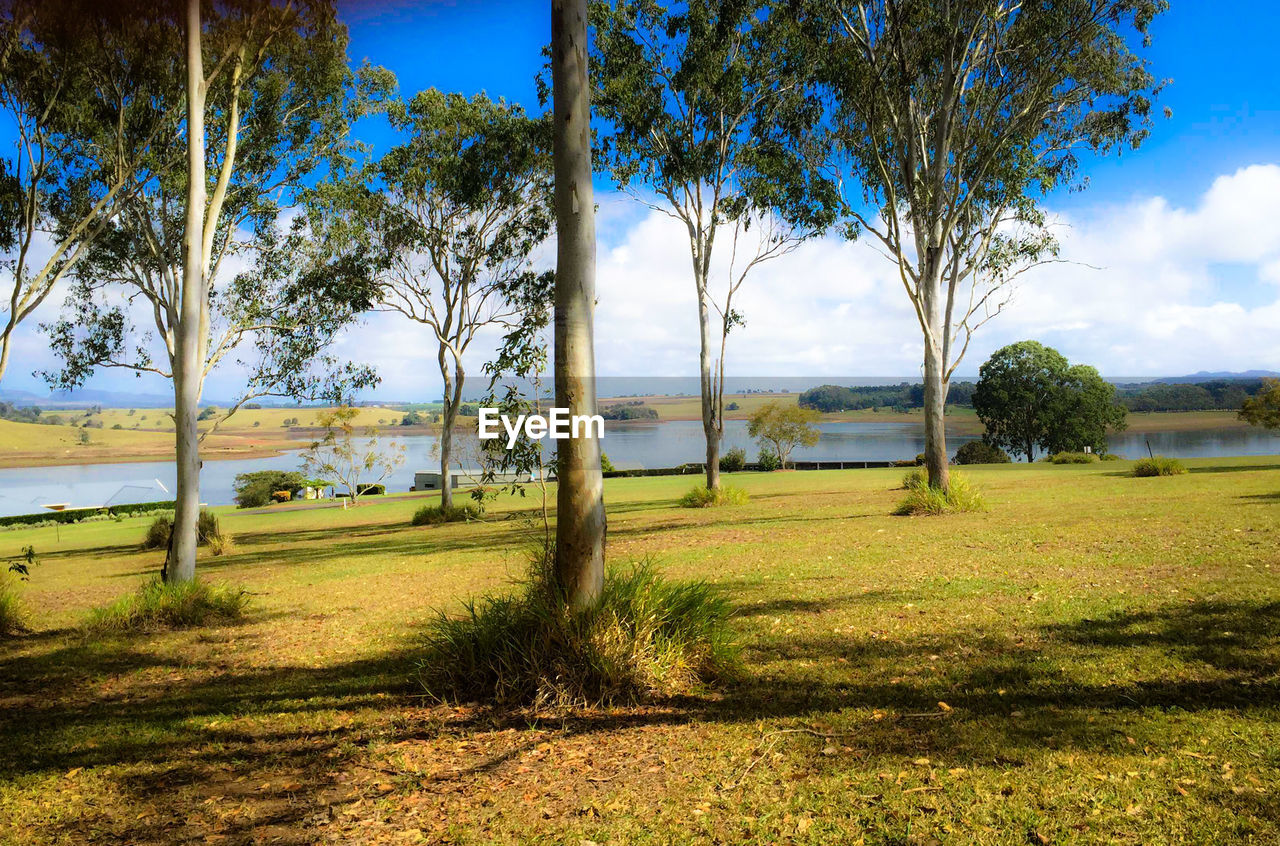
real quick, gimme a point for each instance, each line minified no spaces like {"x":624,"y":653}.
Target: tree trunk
{"x":6,"y":344}
{"x":180,"y":565}
{"x":935,"y":427}
{"x":935,"y":381}
{"x":449,"y":413}
{"x":710,"y":419}
{"x":580,"y":516}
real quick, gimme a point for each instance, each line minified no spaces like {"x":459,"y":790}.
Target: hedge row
{"x":75,"y":515}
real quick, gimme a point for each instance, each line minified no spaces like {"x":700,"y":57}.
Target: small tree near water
{"x":781,"y":428}
{"x":349,"y":454}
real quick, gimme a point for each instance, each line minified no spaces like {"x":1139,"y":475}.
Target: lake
{"x":26,"y":489}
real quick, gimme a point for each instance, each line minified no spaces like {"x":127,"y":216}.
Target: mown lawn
{"x":1094,"y":660}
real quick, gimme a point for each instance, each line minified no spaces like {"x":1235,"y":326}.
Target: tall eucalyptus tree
{"x":580,"y":514}
{"x":79,"y":84}
{"x":265,"y":109}
{"x":956,"y":118}
{"x":705,"y":114}
{"x":454,"y":215}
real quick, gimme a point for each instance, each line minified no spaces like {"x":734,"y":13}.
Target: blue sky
{"x":1175,"y":251}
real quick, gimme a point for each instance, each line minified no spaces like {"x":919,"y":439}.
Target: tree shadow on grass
{"x":180,"y":737}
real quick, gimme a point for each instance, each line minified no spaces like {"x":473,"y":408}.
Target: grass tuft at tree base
{"x":208,"y":533}
{"x":13,"y":617}
{"x":648,"y":638}
{"x":159,"y":605}
{"x":1158,"y":466}
{"x":924,"y":499}
{"x":434,"y":515}
{"x":700,"y":496}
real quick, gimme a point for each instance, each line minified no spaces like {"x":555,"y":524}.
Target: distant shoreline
{"x":30,"y":445}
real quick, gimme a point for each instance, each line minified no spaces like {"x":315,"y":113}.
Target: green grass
{"x":700,"y":496}
{"x":434,"y":515}
{"x":157,"y":605}
{"x":923,"y":499}
{"x":13,"y":614}
{"x":1158,"y":466}
{"x":649,"y":638}
{"x":1108,"y":655}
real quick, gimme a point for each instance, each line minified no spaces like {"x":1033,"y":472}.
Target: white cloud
{"x":1146,"y":288}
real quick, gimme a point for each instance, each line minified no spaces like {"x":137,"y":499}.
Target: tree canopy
{"x":1029,"y":396}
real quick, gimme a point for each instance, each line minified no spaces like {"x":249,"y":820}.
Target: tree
{"x":1263,"y":408}
{"x":691,"y":96}
{"x":275,"y":92}
{"x":355,"y":458}
{"x":253,"y":490}
{"x":580,"y":514}
{"x":1029,"y":396}
{"x":1015,"y":395}
{"x":955,"y":118}
{"x":454,"y":214}
{"x":784,"y":427}
{"x":79,"y":83}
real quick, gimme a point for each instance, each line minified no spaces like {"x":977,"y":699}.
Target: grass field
{"x":1096,"y":659}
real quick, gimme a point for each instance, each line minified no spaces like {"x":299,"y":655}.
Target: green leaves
{"x":1028,"y":396}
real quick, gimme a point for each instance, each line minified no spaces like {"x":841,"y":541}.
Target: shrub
{"x":1158,"y":466}
{"x":159,"y":605}
{"x":1110,"y":456}
{"x":768,"y":461}
{"x":913,"y":479}
{"x":920,"y":459}
{"x":254,"y":490}
{"x":370,"y":490}
{"x":606,"y":466}
{"x":434,"y":515}
{"x":12,"y":613}
{"x":208,"y":532}
{"x":976,"y":452}
{"x":733,"y":406}
{"x":1073,"y":458}
{"x":281,"y":496}
{"x":733,"y":460}
{"x":647,"y":638}
{"x":700,"y":496}
{"x":924,"y":499}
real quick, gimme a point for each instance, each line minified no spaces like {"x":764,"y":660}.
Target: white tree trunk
{"x":180,"y":565}
{"x":580,"y":515}
{"x":710,"y":415}
{"x":935,"y":381}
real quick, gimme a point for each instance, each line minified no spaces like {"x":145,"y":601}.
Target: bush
{"x":158,"y":605}
{"x":370,"y":490}
{"x":913,"y":479}
{"x":1073,"y":458}
{"x":647,"y":638}
{"x":13,"y":615}
{"x":281,"y":496}
{"x":924,"y":499}
{"x":434,"y":515}
{"x":700,"y":496}
{"x":768,"y":461}
{"x":606,"y":466}
{"x":254,"y":490}
{"x":208,"y":533}
{"x":1110,"y":456}
{"x":920,"y":459}
{"x":733,"y":460}
{"x":976,"y":452}
{"x":1158,"y":466}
